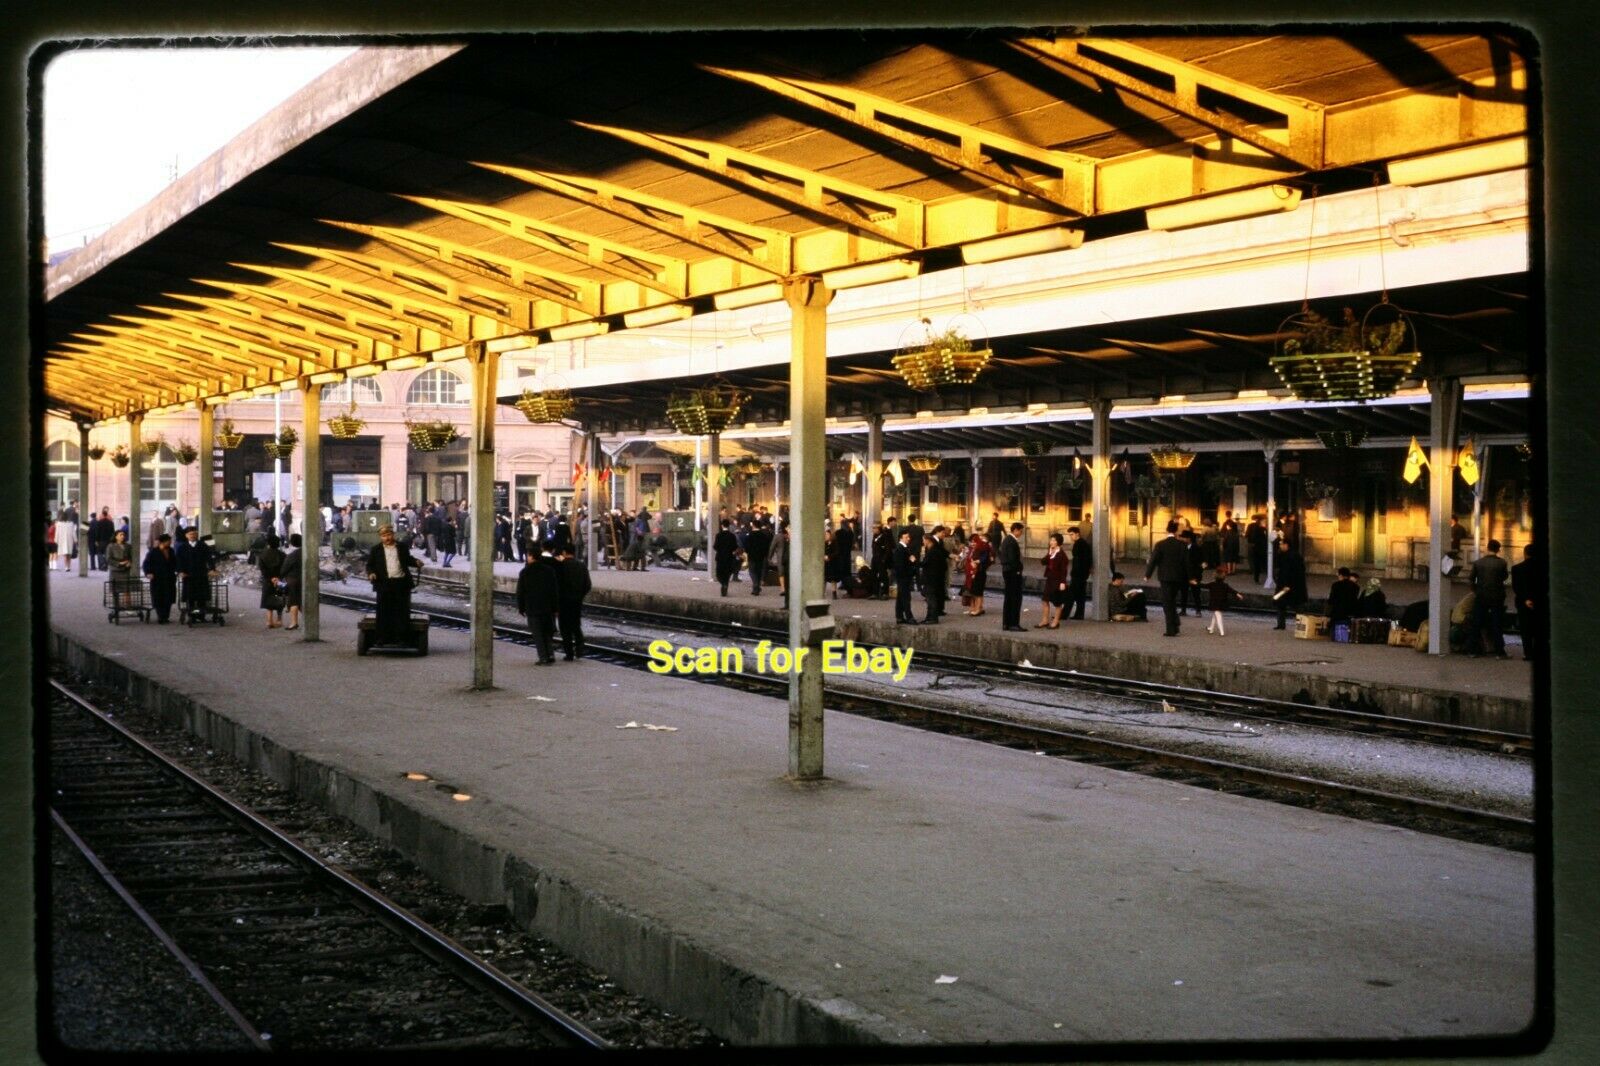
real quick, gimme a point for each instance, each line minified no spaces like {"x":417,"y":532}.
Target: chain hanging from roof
{"x":941,"y":359}
{"x":708,"y":409}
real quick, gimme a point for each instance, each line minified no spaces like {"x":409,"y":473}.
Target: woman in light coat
{"x":66,"y":538}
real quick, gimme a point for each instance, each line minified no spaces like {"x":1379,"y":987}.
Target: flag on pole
{"x":1467,"y":462}
{"x":896,"y":472}
{"x":1416,"y":459}
{"x":578,"y":470}
{"x":856,"y":469}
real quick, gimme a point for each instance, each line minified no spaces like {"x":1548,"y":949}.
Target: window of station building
{"x":438,"y":387}
{"x":1039,"y":497}
{"x":61,"y":484}
{"x":365,"y":390}
{"x":158,"y":481}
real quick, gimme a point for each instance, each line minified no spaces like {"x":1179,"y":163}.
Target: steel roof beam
{"x":122,"y":357}
{"x":382,"y":328}
{"x":437,"y":317}
{"x":292,"y":364}
{"x":164,"y":346}
{"x":325,"y":353}
{"x":283,"y":325}
{"x":1070,"y":180}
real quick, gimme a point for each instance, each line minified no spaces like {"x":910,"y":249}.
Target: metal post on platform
{"x":591,"y":455}
{"x":1444,"y":412}
{"x":974,"y":511}
{"x":208,"y":477}
{"x":1100,"y":510}
{"x":1269,"y":449}
{"x":311,"y":511}
{"x":872,"y":509}
{"x":713,"y":502}
{"x":810,"y":621}
{"x":82,"y":506}
{"x":1478,"y":512}
{"x":777,"y":488}
{"x":135,"y":477}
{"x":485,"y":365}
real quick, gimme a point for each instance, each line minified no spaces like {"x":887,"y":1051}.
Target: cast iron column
{"x":310,"y":511}
{"x":480,"y":490}
{"x":872,"y":511}
{"x":809,"y":619}
{"x":204,"y":519}
{"x":1100,"y":511}
{"x":1444,"y":412}
{"x":135,"y":475}
{"x":591,"y":455}
{"x":83,"y":499}
{"x":1269,"y":448}
{"x":713,"y":502}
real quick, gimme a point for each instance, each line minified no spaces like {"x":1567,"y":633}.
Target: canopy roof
{"x":413,"y":200}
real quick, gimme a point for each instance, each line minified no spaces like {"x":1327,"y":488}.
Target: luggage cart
{"x":367,"y":636}
{"x":126,"y":595}
{"x":212,"y":609}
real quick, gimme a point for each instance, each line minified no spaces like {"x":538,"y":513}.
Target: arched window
{"x":365,"y":389}
{"x":438,"y":387}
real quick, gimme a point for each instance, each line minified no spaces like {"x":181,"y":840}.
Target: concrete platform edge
{"x":637,"y":951}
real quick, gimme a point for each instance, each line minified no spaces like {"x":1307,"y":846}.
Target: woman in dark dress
{"x":289,"y":572}
{"x":979,"y":558}
{"x":1057,"y":573}
{"x":270,"y":561}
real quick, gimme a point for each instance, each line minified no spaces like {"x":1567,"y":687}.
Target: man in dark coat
{"x":1255,"y":535}
{"x":1289,"y":574}
{"x":197,"y":562}
{"x":996,"y":532}
{"x":101,"y":532}
{"x":1082,"y":567}
{"x":574,"y":586}
{"x":538,"y":599}
{"x":757,"y":543}
{"x":1527,"y":588}
{"x":883,"y":541}
{"x":389,"y":566}
{"x":1011,"y":574}
{"x":161,"y":567}
{"x":1489,"y":575}
{"x":935,"y":578}
{"x":726,"y":550}
{"x":905,"y":575}
{"x":1342,"y":596}
{"x":1169,"y":564}
{"x":1197,"y":572}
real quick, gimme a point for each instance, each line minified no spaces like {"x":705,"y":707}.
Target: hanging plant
{"x":1151,"y":486}
{"x":151,"y":447}
{"x":347,"y":425}
{"x":1071,"y":480}
{"x":749,"y":466}
{"x":185,"y":453}
{"x":227,"y":437}
{"x":1221,"y":485}
{"x":1171,"y":458}
{"x":1341,"y":439}
{"x":1320,"y":490}
{"x":940,"y":359}
{"x":923,"y":464}
{"x":621,"y":466}
{"x":1358,"y":359}
{"x":430,"y":435}
{"x":96,"y":451}
{"x":1034,"y":447}
{"x":283,"y":446}
{"x":120,"y":457}
{"x":545,"y":405}
{"x":710,"y":409}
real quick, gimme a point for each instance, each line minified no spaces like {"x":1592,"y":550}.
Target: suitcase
{"x":1311,"y":627}
{"x":1369,"y":631}
{"x":1402,"y":638}
{"x":1341,"y":632}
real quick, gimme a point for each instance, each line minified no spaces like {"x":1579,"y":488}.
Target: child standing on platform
{"x":1220,"y":593}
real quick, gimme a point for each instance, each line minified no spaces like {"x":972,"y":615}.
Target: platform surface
{"x":1069,"y":902}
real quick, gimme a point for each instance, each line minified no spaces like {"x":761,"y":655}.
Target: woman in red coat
{"x":1057,"y":572}
{"x":979,"y":557}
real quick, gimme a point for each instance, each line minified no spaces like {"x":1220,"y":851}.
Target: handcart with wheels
{"x":126,"y":595}
{"x":210,"y":606}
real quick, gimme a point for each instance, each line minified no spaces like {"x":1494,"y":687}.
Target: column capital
{"x":1271,"y":448}
{"x":805,"y":291}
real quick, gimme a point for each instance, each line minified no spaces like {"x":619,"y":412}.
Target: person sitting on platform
{"x":1342,"y":596}
{"x":1127,"y":603}
{"x":388,"y":568}
{"x":161,"y":566}
{"x":1372,"y":603}
{"x":538,"y":599}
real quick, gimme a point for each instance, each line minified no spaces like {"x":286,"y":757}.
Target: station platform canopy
{"x":531,"y":191}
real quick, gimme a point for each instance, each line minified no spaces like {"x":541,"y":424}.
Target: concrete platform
{"x":1070,"y":903}
{"x":1253,"y":659}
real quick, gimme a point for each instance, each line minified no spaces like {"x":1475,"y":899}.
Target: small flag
{"x":1467,"y":463}
{"x":699,"y":476}
{"x":1415,"y":461}
{"x":578,"y":470}
{"x":894,"y":470}
{"x":856,"y":469}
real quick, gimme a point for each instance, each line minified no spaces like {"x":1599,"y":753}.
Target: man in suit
{"x":538,"y":599}
{"x":996,"y":532}
{"x":1289,"y":574}
{"x":574,"y":586}
{"x":388,"y":568}
{"x":1082,"y":567}
{"x":161,"y":567}
{"x":757,"y":544}
{"x":197,"y":561}
{"x":883,"y":541}
{"x":1169,"y":563}
{"x":1527,"y":588}
{"x":935,"y":577}
{"x":905,"y":575}
{"x":1011,"y":575}
{"x":101,"y":532}
{"x":726,"y":549}
{"x":1488,"y":603}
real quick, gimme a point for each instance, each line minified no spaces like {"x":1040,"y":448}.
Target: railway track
{"x":1220,"y":704}
{"x":296,"y":951}
{"x":1491,"y":827}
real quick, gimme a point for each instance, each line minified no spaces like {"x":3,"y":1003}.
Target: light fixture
{"x":655,"y":316}
{"x":1508,"y":154}
{"x":591,"y":328}
{"x":406,"y":362}
{"x":326,"y":377}
{"x":1246,"y":203}
{"x":755,"y":294}
{"x":1416,"y":459}
{"x":1033,"y":242}
{"x":365,"y":370}
{"x":871,"y":273}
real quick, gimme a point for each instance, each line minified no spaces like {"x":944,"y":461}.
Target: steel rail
{"x":432,"y":942}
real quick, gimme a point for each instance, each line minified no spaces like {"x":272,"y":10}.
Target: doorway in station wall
{"x":527,"y":492}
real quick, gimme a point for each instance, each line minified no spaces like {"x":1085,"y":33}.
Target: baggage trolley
{"x":211,"y":609}
{"x":128,"y":595}
{"x":367,"y":636}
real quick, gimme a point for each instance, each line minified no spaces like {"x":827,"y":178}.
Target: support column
{"x":777,"y":488}
{"x":713,"y":502}
{"x":208,"y":474}
{"x":1269,"y":448}
{"x":135,"y":476}
{"x":1444,"y":413}
{"x":1478,"y":513}
{"x":485,"y":366}
{"x":975,"y":523}
{"x":809,"y":619}
{"x":591,"y":456}
{"x":82,"y":507}
{"x":872,"y":509}
{"x":1100,"y":510}
{"x":310,"y":511}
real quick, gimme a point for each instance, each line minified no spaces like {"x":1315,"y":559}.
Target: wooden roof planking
{"x":637,"y":170}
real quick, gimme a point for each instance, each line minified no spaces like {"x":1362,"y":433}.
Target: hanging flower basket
{"x":1358,"y":359}
{"x":1341,"y":439}
{"x":1524,"y":451}
{"x":1034,"y":448}
{"x":710,"y":409}
{"x":228,"y":438}
{"x":923,"y":464}
{"x":120,"y":457}
{"x":545,"y":405}
{"x":1070,"y":480}
{"x":1150,"y":486}
{"x":151,"y":447}
{"x":283,"y":446}
{"x":621,"y":466}
{"x":1221,"y":485}
{"x":96,"y":451}
{"x":749,"y":466}
{"x":1171,"y":458}
{"x":941,"y":359}
{"x":185,"y":453}
{"x":430,"y":436}
{"x":347,"y":425}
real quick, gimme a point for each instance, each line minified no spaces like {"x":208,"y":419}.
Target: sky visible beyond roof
{"x":121,"y":123}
